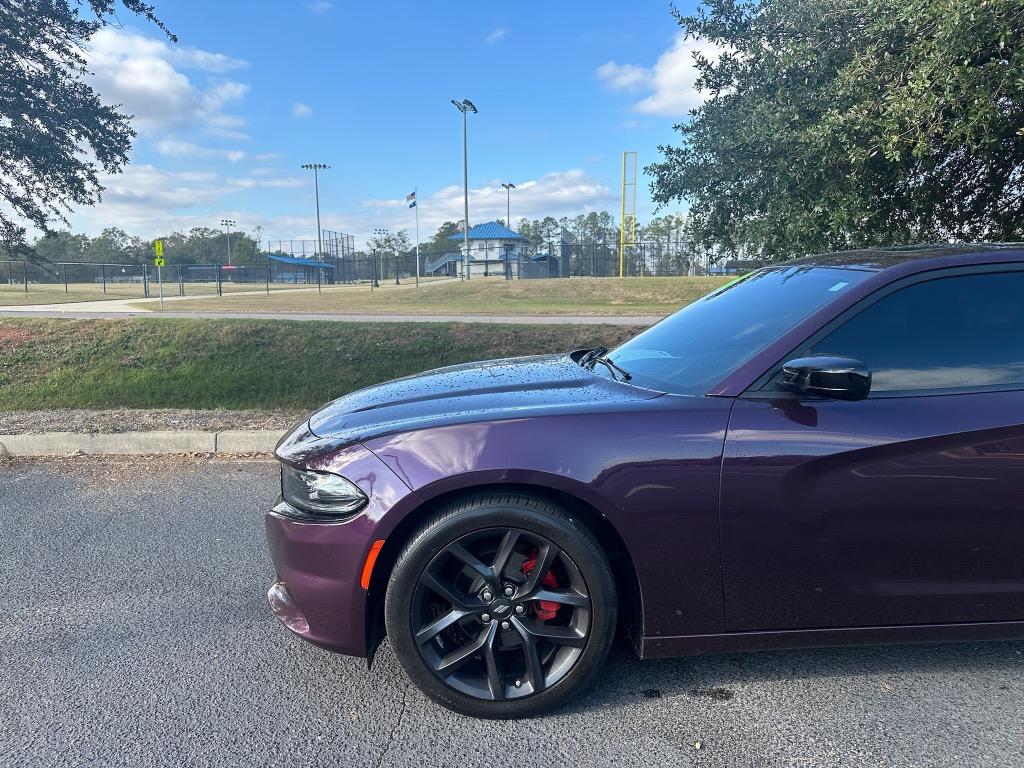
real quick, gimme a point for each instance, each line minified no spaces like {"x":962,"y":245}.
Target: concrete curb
{"x":134,"y":443}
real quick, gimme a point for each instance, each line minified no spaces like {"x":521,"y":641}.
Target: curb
{"x":139,"y":443}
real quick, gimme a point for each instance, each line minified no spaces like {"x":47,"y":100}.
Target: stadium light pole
{"x":228,"y":223}
{"x":316,"y":168}
{"x":508,"y":203}
{"x":465,"y":107}
{"x":382,"y":234}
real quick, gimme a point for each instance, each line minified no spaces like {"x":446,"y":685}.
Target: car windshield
{"x":696,"y":347}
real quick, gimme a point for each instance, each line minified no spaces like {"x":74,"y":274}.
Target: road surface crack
{"x":395,"y":728}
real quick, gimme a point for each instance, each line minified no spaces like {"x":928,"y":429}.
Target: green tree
{"x":115,"y":246}
{"x":393,"y":242}
{"x":440,"y":243}
{"x":61,"y":246}
{"x":245,"y":250}
{"x":832,"y":125}
{"x":56,"y":135}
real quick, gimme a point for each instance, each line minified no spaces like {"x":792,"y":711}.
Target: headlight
{"x":320,"y":493}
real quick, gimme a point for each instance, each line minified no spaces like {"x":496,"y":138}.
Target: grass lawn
{"x":15,"y":295}
{"x":241,"y":364}
{"x":490,"y":296}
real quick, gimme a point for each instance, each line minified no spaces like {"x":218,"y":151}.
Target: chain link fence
{"x":39,"y":283}
{"x":85,"y":281}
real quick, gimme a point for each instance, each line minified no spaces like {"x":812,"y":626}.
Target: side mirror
{"x":839,"y":378}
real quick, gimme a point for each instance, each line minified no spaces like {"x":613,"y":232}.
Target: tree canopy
{"x":200,"y":245}
{"x":56,"y":135}
{"x":830,"y":125}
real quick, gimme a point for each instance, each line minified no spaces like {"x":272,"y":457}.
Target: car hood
{"x":495,"y":389}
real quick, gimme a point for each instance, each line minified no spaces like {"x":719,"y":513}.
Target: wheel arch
{"x":627,"y":583}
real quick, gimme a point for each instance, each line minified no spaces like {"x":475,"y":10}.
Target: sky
{"x":251,"y":91}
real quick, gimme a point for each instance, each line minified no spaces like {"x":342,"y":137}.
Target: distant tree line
{"x":594,"y":234}
{"x":200,"y":245}
{"x":592,"y":227}
{"x":662,"y":242}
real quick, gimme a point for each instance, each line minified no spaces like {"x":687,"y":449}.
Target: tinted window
{"x":953,"y":333}
{"x":696,"y":347}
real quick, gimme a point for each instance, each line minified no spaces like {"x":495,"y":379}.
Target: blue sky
{"x":253,"y":90}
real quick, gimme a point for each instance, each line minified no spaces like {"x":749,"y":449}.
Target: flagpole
{"x":417,"y":237}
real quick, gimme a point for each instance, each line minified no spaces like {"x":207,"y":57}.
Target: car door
{"x":903,"y":508}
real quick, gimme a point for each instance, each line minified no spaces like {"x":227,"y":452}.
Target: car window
{"x":696,"y":347}
{"x":961,"y":333}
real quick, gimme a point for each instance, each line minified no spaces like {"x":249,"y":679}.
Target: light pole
{"x":508,"y":203}
{"x":465,"y":107}
{"x":381,"y":234}
{"x":316,"y":168}
{"x":228,"y":223}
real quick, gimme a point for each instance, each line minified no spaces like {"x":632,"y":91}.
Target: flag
{"x":410,"y":196}
{"x":412,"y":204}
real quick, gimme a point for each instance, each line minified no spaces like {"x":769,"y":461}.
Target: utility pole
{"x":465,"y":107}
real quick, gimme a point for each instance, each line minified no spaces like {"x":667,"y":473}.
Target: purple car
{"x":828,"y":451}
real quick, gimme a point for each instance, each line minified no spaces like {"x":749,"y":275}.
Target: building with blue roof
{"x":494,"y":251}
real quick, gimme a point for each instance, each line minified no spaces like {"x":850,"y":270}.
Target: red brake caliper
{"x":545,"y":609}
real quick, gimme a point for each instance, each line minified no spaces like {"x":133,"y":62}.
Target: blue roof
{"x":304,"y":262}
{"x":490,"y":230}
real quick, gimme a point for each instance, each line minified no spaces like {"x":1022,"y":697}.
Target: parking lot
{"x":136,"y":632}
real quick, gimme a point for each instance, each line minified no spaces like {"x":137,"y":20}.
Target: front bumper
{"x":317,"y":593}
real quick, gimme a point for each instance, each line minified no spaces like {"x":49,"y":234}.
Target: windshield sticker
{"x":838,"y":287}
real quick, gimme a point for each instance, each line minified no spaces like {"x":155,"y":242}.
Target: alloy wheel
{"x":501,"y":613}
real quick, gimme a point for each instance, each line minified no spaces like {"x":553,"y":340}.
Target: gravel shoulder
{"x":116,"y":420}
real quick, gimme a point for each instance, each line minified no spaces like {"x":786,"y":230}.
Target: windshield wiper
{"x":611,"y":367}
{"x":596,"y":355}
{"x":586,"y":360}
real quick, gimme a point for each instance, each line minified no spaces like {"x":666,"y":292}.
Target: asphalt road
{"x":135,"y":632}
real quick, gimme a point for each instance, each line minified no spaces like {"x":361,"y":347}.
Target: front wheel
{"x":501,"y":606}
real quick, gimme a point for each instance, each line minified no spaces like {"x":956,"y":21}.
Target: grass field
{"x":240,"y":364}
{"x":44,"y":293}
{"x":493,"y":296}
{"x":15,"y":295}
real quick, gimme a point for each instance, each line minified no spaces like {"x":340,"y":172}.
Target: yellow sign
{"x":160,"y":262}
{"x":158,"y":249}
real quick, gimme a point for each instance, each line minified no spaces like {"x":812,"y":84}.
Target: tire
{"x":515,"y":644}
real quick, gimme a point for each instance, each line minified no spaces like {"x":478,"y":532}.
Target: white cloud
{"x":144,"y":76}
{"x":319,"y":6}
{"x":627,"y":77}
{"x":147,"y":200}
{"x":178,"y":148}
{"x":301,"y":110}
{"x":290,"y":182}
{"x":670,"y":81}
{"x":495,"y":36}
